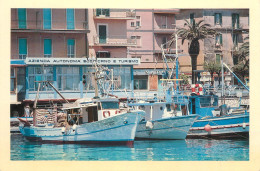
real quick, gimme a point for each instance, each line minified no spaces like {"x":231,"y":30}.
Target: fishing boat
{"x":88,"y":120}
{"x":164,"y":119}
{"x":166,"y":116}
{"x":218,"y":121}
{"x":14,"y":123}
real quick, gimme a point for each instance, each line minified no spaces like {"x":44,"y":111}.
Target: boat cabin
{"x":160,"y":110}
{"x":91,"y":111}
{"x":204,"y":105}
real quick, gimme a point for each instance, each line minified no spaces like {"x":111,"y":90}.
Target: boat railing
{"x":147,"y":96}
{"x":180,"y":99}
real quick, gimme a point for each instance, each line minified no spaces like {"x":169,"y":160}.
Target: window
{"x":191,"y":18}
{"x":46,"y":18}
{"x":164,"y":42}
{"x":135,"y":37}
{"x":70,"y":19}
{"x":68,"y":78}
{"x":235,"y":40}
{"x":89,"y":77}
{"x":132,"y":24}
{"x":103,"y":54}
{"x":47,"y":48}
{"x":71,"y":48}
{"x":164,"y":22}
{"x":235,"y":60}
{"x":12,"y":83}
{"x":235,"y":21}
{"x":105,"y":12}
{"x":122,"y":77}
{"x":218,"y":40}
{"x":136,"y":57}
{"x":22,"y":48}
{"x":22,"y":18}
{"x":140,"y":82}
{"x":138,"y":22}
{"x":110,"y":105}
{"x":39,"y":74}
{"x":218,"y":58}
{"x":218,"y":19}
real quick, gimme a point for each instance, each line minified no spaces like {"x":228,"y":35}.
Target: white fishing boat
{"x":167,"y":116}
{"x":95,"y":120}
{"x":164,"y":119}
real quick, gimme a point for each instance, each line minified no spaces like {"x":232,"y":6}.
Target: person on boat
{"x":27,"y":110}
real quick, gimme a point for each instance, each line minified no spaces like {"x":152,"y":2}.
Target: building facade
{"x":153,"y":28}
{"x":59,"y":45}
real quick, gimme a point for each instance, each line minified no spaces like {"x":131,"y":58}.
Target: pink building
{"x":153,"y":28}
{"x":108,"y":37}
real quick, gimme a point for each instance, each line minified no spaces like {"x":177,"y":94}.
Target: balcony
{"x":167,"y":11}
{"x":123,"y":14}
{"x":164,"y":29}
{"x":114,"y":41}
{"x":54,"y":27}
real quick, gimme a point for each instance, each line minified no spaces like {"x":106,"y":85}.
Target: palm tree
{"x":242,"y":67}
{"x":193,"y":33}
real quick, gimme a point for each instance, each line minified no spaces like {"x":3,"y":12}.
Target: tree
{"x":242,"y":66}
{"x":212,"y":67}
{"x":193,"y":33}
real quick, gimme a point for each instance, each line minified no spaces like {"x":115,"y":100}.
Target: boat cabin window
{"x":208,"y":101}
{"x":110,"y":105}
{"x":74,"y":116}
{"x":168,"y":106}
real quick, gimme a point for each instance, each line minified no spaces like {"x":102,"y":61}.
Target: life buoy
{"x":198,"y":87}
{"x":117,"y":111}
{"x":106,"y":112}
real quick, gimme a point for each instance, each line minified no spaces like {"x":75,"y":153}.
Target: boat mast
{"x":95,"y":81}
{"x":35,"y":103}
{"x":222,"y":74}
{"x":177,"y":63}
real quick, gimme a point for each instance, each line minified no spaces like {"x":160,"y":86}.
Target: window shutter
{"x":233,"y":20}
{"x":46,"y":18}
{"x":22,"y":46}
{"x":22,"y":18}
{"x":220,"y":18}
{"x":107,"y":12}
{"x":215,"y":18}
{"x":47,"y":47}
{"x":220,"y":36}
{"x":237,"y":20}
{"x":70,"y":19}
{"x":98,"y":12}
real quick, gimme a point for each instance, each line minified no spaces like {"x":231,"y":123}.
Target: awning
{"x":18,"y":63}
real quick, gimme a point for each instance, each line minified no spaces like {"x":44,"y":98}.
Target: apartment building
{"x":59,"y":45}
{"x":40,"y":38}
{"x":152,"y":28}
{"x":108,"y":39}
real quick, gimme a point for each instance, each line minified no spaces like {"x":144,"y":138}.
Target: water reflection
{"x":155,"y":150}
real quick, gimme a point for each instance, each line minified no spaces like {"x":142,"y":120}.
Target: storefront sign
{"x":82,"y":61}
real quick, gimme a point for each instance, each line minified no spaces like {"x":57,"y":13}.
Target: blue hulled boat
{"x":217,"y":121}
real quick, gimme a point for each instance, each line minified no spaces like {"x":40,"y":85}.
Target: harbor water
{"x":150,"y":150}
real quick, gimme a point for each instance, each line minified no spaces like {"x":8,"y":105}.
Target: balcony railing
{"x":52,"y":25}
{"x":167,"y":11}
{"x":114,"y":14}
{"x":164,"y":28}
{"x":114,"y":41}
